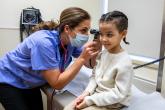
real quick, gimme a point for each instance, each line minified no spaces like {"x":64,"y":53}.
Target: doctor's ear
{"x":66,"y":29}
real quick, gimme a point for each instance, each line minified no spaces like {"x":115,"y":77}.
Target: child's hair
{"x":118,"y":18}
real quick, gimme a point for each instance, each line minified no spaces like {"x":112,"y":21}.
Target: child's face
{"x":110,"y":36}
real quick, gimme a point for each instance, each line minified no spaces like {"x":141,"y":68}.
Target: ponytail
{"x":45,"y":25}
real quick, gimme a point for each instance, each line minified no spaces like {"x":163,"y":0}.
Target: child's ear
{"x":124,"y":33}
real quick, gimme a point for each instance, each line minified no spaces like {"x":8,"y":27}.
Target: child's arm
{"x":89,"y":90}
{"x":92,"y":85}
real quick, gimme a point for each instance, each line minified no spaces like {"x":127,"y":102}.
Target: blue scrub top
{"x":40,"y":51}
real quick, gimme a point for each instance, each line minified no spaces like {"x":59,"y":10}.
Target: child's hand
{"x":81,"y":105}
{"x":79,"y":99}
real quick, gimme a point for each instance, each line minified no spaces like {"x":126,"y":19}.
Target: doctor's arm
{"x":58,"y":80}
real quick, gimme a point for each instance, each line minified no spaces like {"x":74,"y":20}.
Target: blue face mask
{"x":79,"y":40}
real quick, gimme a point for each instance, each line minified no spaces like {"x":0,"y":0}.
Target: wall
{"x":145,"y":24}
{"x":10,"y":11}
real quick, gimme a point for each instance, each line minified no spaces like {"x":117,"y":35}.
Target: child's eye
{"x":109,"y":35}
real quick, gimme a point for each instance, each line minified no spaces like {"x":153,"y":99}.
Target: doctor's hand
{"x":89,"y":51}
{"x":97,"y":44}
{"x":97,"y":47}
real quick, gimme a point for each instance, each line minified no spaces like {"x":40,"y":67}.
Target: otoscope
{"x":95,"y":32}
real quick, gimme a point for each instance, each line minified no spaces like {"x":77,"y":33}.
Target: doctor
{"x":42,"y":58}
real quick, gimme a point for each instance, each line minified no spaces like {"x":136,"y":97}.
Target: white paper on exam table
{"x":79,"y":83}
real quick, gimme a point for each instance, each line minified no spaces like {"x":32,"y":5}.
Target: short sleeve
{"x":45,"y":55}
{"x":76,"y":52}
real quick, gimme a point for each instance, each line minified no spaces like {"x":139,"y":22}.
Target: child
{"x":110,"y":84}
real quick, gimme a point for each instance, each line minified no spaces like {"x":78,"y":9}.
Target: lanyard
{"x":64,"y":52}
{"x":65,"y":56}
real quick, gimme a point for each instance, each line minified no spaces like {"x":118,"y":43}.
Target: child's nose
{"x":104,"y":38}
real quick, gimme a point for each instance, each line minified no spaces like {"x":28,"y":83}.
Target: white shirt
{"x":111,"y":80}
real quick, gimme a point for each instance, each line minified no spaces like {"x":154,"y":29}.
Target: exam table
{"x":139,"y":101}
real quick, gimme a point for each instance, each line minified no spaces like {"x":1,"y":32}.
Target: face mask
{"x":79,"y":40}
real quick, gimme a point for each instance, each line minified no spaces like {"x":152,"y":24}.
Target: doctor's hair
{"x":72,"y":17}
{"x":119,"y":19}
{"x":45,"y":25}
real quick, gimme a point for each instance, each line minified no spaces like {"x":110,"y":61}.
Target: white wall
{"x":10,"y":11}
{"x":9,"y":38}
{"x":145,"y":24}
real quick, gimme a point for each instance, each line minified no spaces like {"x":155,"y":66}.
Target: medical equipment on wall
{"x":29,"y":18}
